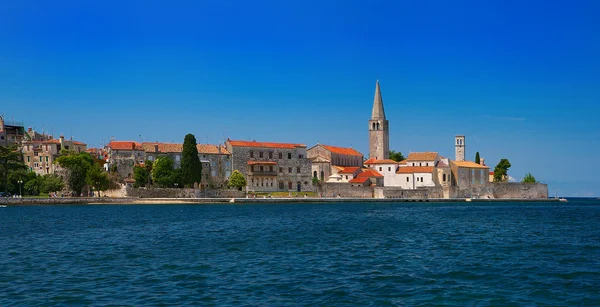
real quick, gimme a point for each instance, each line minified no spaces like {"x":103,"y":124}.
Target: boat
{"x":563,"y":200}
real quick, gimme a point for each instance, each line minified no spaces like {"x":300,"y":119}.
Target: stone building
{"x":124,"y":155}
{"x":386,"y":167}
{"x":367,"y":178}
{"x":218,"y":161}
{"x":379,"y":138}
{"x":459,"y":148}
{"x":39,"y":155}
{"x":154,"y":150}
{"x":325,"y":159}
{"x":467,"y":174}
{"x":11,"y":132}
{"x":270,"y":167}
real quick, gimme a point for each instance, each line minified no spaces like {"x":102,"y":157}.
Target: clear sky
{"x":521,"y":79}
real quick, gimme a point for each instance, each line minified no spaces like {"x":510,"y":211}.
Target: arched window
{"x":290,"y":185}
{"x":377,"y":126}
{"x":444,"y":177}
{"x":373,"y":126}
{"x":315,"y":174}
{"x":322,"y":175}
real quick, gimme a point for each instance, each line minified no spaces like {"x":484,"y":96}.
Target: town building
{"x":327,"y":159}
{"x":387,"y":168}
{"x":218,"y":164}
{"x":39,"y":155}
{"x":11,"y":132}
{"x":124,"y":155}
{"x":379,"y":134}
{"x":466,"y":174}
{"x":366,"y":178}
{"x":270,"y":167}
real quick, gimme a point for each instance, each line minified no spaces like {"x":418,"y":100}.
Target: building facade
{"x":39,"y":155}
{"x":325,"y":159}
{"x":270,"y":167}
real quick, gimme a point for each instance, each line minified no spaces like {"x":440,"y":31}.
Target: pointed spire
{"x":378,"y":112}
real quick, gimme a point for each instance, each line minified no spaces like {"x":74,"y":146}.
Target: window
{"x":298,"y":169}
{"x":289,"y":170}
{"x":346,"y":177}
{"x":251,"y":154}
{"x":380,"y":168}
{"x":315,"y":174}
{"x":281,"y":170}
{"x":444,"y":177}
{"x":41,"y":158}
{"x":289,"y":155}
{"x":300,"y":156}
{"x":271,"y":168}
{"x":260,"y":154}
{"x":420,"y":164}
{"x":281,"y":157}
{"x":262,"y":169}
{"x":281,"y":185}
{"x":252,"y":168}
{"x":421,"y":179}
{"x":28,"y":158}
{"x":389,"y":169}
{"x":322,"y":175}
{"x":290,"y":185}
{"x":407,"y":179}
{"x":271,"y":157}
{"x":46,"y":158}
{"x":427,"y":164}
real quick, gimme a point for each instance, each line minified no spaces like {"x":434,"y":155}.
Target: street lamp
{"x":20,"y":182}
{"x":176,"y":185}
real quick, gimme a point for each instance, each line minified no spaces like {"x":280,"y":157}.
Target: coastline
{"x":203,"y":201}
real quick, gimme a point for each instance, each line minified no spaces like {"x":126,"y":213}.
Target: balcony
{"x":262,"y":173}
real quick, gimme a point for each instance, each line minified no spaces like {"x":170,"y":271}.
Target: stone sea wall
{"x":346,"y":190}
{"x":390,"y":192}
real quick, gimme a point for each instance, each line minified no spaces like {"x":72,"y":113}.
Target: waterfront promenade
{"x":159,"y":201}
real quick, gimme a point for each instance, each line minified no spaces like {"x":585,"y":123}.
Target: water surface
{"x":356,"y":254}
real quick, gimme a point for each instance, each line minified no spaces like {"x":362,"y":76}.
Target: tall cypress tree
{"x":191,"y":168}
{"x":477,"y":159}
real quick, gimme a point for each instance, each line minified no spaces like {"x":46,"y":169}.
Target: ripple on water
{"x":353,"y":254}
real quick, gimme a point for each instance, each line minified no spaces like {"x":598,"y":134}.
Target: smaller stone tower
{"x":459,"y":145}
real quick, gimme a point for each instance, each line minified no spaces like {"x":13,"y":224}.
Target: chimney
{"x":132,"y":145}
{"x":62,"y":141}
{"x":156,"y":148}
{"x":482,"y":161}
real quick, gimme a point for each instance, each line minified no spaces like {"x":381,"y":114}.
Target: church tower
{"x":379,"y":135}
{"x":459,"y":148}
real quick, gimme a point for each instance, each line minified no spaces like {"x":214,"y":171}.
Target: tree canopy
{"x":477,"y":159}
{"x":97,"y":178}
{"x":529,"y":178}
{"x":501,"y":170}
{"x":164,"y":174}
{"x":396,"y":156}
{"x":191,"y":168}
{"x":237,"y":180}
{"x":77,"y":166}
{"x":10,"y":161}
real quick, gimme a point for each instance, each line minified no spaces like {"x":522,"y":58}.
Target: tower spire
{"x":378,"y":112}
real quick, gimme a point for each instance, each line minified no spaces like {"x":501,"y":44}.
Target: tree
{"x":396,"y":156}
{"x":529,"y":178}
{"x":477,"y":159}
{"x":51,"y":183}
{"x":10,"y":161}
{"x":191,"y":168}
{"x":237,"y":180}
{"x":316,"y":182}
{"x":501,"y":170}
{"x":141,"y":175}
{"x":163,"y":173}
{"x":97,"y":178}
{"x":77,"y":166}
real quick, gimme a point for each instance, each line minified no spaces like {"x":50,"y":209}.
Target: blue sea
{"x":343,"y":254}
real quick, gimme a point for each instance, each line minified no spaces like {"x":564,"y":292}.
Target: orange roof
{"x":414,"y":169}
{"x":124,"y":145}
{"x":384,"y":161}
{"x":348,"y":170}
{"x":492,"y":173}
{"x":403,"y":162}
{"x":162,"y":147}
{"x":422,"y":156}
{"x":359,"y":180}
{"x":342,"y":150}
{"x":211,"y":149}
{"x":264,"y":144}
{"x":262,"y":162}
{"x":369,"y":173}
{"x":78,"y":143}
{"x":468,"y":164}
{"x":370,"y":161}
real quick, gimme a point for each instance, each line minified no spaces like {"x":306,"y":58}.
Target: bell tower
{"x":379,"y":135}
{"x":459,"y":147}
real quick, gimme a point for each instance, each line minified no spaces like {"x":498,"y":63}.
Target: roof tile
{"x":422,"y":156}
{"x":342,"y":150}
{"x":264,"y":144}
{"x":414,"y":169}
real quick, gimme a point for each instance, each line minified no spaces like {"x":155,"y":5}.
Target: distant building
{"x":325,"y":159}
{"x":466,"y":174}
{"x":459,"y":147}
{"x":379,"y":134}
{"x":366,"y":178}
{"x":387,"y":168}
{"x":218,"y":161}
{"x":124,"y":155}
{"x":270,"y":167}
{"x":39,"y":155}
{"x":11,"y":132}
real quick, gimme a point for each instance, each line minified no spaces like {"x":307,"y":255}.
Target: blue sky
{"x":518,"y":78}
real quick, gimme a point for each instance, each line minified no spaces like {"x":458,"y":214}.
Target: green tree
{"x":237,"y":180}
{"x":477,"y":159}
{"x":10,"y":161}
{"x":97,"y":178}
{"x":191,"y":168}
{"x":77,"y":166}
{"x":51,"y":183}
{"x":164,"y":174}
{"x":141,"y":176}
{"x":529,"y":178}
{"x":396,"y":156}
{"x":501,"y":170}
{"x":316,"y":183}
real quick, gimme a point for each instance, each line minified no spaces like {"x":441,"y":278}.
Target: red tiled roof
{"x":369,"y":173}
{"x":492,"y":173}
{"x":403,"y":162}
{"x":78,"y":143}
{"x":262,"y":162}
{"x":414,"y":169}
{"x":211,"y":149}
{"x":162,"y":147}
{"x":348,"y":170}
{"x":264,"y":144}
{"x":468,"y":164}
{"x":124,"y":145}
{"x":359,"y":180}
{"x":384,"y":161}
{"x":422,"y":156}
{"x":342,"y":150}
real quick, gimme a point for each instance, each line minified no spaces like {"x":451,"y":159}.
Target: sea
{"x":334,"y":254}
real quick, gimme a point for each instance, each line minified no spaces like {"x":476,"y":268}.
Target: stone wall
{"x":503,"y":190}
{"x":346,"y":190}
{"x":162,"y":193}
{"x":394,"y":192}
